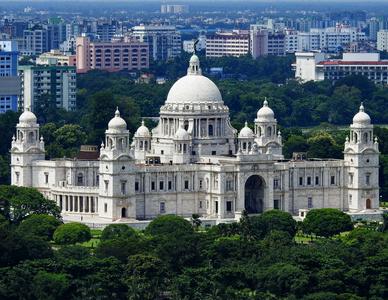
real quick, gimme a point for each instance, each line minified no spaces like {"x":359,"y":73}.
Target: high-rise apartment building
{"x":55,"y":83}
{"x":127,"y":54}
{"x":174,"y":8}
{"x":164,"y":42}
{"x":382,"y":40}
{"x":35,"y":41}
{"x":230,"y":43}
{"x":9,"y":81}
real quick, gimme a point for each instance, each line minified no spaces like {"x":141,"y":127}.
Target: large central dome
{"x":194,"y":87}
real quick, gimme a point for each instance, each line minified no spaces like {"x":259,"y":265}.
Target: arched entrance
{"x":368,"y":204}
{"x":123,"y":212}
{"x":254,"y":194}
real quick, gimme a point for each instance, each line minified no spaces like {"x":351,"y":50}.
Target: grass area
{"x":95,"y":240}
{"x":384,"y":204}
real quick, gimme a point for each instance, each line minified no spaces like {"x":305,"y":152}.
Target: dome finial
{"x":265,"y":103}
{"x":142,"y":122}
{"x":246,"y":124}
{"x":362,"y":107}
{"x":117,"y":112}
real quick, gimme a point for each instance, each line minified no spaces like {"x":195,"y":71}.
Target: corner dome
{"x":246,"y":132}
{"x":117,"y":123}
{"x":194,"y":88}
{"x":142,"y":131}
{"x":265,"y":113}
{"x":181,"y":134}
{"x":362,"y":118}
{"x":28,"y":118}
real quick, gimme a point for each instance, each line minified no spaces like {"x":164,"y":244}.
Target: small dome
{"x":246,"y":132}
{"x":361,"y":118}
{"x":142,"y":131}
{"x":194,"y":59}
{"x":265,"y":113}
{"x":181,"y":134}
{"x":27,"y":117}
{"x":117,"y":123}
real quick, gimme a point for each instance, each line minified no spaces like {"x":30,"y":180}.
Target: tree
{"x":21,"y":202}
{"x":196,"y":221}
{"x":278,"y":220}
{"x":169,"y":225}
{"x":117,"y":231}
{"x":121,"y":247}
{"x":293,"y":144}
{"x":39,"y":225}
{"x":72,"y":233}
{"x":145,"y":277}
{"x":323,"y":145}
{"x":326,"y":222}
{"x":50,"y":286}
{"x":70,"y":136}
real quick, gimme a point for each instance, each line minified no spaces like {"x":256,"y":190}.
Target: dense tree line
{"x":256,"y":258}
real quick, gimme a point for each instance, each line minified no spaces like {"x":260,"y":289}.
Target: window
{"x":106,"y":185}
{"x":153,"y":186}
{"x":276,"y":183}
{"x":162,"y":207}
{"x":46,"y":178}
{"x":310,"y":202}
{"x":316,"y":180}
{"x":300,"y":180}
{"x":276,"y":204}
{"x":350,"y":199}
{"x":229,"y":185}
{"x":332,"y":179}
{"x":367,"y":179}
{"x":214,"y":152}
{"x":350,"y":178}
{"x":123,"y":187}
{"x":105,"y":207}
{"x":228,"y":206}
{"x":161,"y":185}
{"x":186,"y":184}
{"x":80,"y":179}
{"x":17,"y":176}
{"x":200,"y":183}
{"x":309,"y":180}
{"x":200,"y":204}
{"x":170,"y":185}
{"x":136,"y":186}
{"x":216,"y":206}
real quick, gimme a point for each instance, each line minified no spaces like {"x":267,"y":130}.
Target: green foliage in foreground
{"x":256,"y":258}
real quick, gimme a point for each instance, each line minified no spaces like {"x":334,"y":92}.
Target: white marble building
{"x":195,"y":162}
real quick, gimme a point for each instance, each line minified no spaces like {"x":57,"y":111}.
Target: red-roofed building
{"x":315,"y":66}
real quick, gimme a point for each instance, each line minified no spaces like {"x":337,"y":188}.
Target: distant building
{"x":265,"y":41}
{"x":227,"y":43}
{"x":58,"y":82}
{"x":314,"y":66}
{"x":382,"y":40}
{"x":35,"y":41}
{"x":174,"y":8}
{"x":9,"y":81}
{"x":329,"y":39}
{"x":188,"y":46}
{"x":164,"y":42}
{"x":55,"y":57}
{"x":291,"y":40}
{"x":111,"y":56}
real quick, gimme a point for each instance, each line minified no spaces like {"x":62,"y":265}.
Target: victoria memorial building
{"x":194,"y":161}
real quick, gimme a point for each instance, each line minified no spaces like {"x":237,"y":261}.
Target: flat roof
{"x":348,"y":63}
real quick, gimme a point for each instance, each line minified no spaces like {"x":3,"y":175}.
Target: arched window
{"x":141,"y":145}
{"x":184,"y":148}
{"x":269,"y":131}
{"x":211,"y":131}
{"x":355,"y":138}
{"x":31,"y":137}
{"x":145,"y":145}
{"x":186,"y":125}
{"x":365,"y":137}
{"x":244,"y":146}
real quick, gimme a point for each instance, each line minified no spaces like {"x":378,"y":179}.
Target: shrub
{"x":72,"y":233}
{"x":115,"y":231}
{"x":39,"y":225}
{"x":169,"y":224}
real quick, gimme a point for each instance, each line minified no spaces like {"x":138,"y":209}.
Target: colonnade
{"x":76,"y":203}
